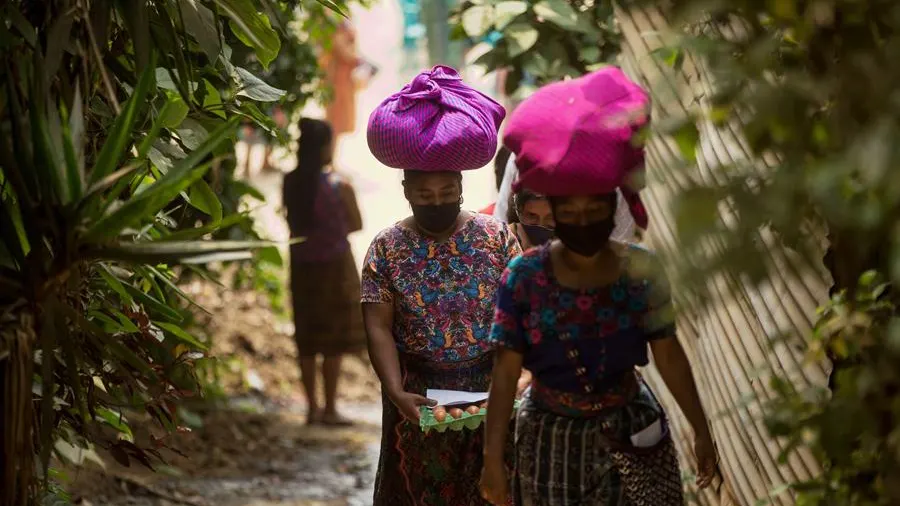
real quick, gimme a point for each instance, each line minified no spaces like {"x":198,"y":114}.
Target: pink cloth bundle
{"x":576,"y":137}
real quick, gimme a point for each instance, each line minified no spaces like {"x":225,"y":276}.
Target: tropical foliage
{"x":541,"y":41}
{"x":812,"y":86}
{"x":119,"y":120}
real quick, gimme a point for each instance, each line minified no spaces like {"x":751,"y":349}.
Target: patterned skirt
{"x":327,"y":311}
{"x":562,"y":460}
{"x":435,"y":469}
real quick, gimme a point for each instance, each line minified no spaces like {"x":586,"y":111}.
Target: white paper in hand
{"x":454,"y":397}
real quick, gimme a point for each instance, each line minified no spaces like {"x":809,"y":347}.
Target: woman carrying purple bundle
{"x":428,"y":286}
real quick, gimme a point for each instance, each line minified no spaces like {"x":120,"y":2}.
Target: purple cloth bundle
{"x":435,"y":123}
{"x":576,"y":137}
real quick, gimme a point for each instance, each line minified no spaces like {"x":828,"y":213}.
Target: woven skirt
{"x":563,"y":461}
{"x":327,"y":311}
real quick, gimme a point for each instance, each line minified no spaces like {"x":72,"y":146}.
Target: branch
{"x":106,"y":81}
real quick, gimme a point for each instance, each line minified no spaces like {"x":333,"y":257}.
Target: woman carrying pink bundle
{"x":582,"y":313}
{"x":428,"y":286}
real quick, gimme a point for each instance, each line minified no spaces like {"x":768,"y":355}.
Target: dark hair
{"x":500,"y":162}
{"x":301,"y":185}
{"x":518,"y":201}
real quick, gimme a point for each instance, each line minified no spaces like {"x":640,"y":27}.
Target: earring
{"x":461,"y":200}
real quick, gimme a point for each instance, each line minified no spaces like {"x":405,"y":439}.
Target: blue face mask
{"x":537,"y":234}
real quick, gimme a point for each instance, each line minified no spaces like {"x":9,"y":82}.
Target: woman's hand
{"x":494,"y":482}
{"x":523,"y":383}
{"x":408,"y":404}
{"x":707,"y":460}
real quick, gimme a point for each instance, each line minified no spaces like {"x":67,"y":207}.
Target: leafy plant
{"x":541,"y":41}
{"x":118,"y":122}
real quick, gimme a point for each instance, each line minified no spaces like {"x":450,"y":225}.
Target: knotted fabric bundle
{"x":435,"y":123}
{"x":577,"y":137}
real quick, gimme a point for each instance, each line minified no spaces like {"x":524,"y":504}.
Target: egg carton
{"x":468,"y":420}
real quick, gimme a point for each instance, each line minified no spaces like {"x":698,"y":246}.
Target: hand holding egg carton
{"x":455,"y":410}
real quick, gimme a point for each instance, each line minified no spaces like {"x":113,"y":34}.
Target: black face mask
{"x":586,"y":240}
{"x":436,"y":218}
{"x":537,"y":234}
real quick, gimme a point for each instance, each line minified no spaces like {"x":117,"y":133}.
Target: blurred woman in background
{"x":321,"y":207}
{"x":532,"y":223}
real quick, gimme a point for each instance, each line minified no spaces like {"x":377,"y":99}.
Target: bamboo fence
{"x":731,"y":343}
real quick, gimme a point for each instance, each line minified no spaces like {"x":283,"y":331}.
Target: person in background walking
{"x":428,"y":286}
{"x":339,"y":63}
{"x":321,"y":207}
{"x":582,"y":313}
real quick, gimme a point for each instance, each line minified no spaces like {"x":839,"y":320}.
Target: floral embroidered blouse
{"x":442,"y":292}
{"x":582,"y":345}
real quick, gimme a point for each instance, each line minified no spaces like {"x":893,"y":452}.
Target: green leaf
{"x":114,"y":419}
{"x":13,"y":240}
{"x":520,"y":38}
{"x":687,"y":137}
{"x":196,"y":233}
{"x":270,"y":255}
{"x":73,"y":143}
{"x":18,"y":21}
{"x":477,"y":20}
{"x":57,"y":42}
{"x":120,"y":135}
{"x":125,"y":322}
{"x":192,"y":133}
{"x":171,"y":115}
{"x":253,"y":87}
{"x":137,"y":18}
{"x":204,"y":198}
{"x":212,"y":100}
{"x":558,"y":12}
{"x":200,"y":23}
{"x":589,"y":54}
{"x":331,"y":5}
{"x":505,"y":12}
{"x":115,"y":284}
{"x":172,"y":252}
{"x":179,"y":178}
{"x":48,"y":167}
{"x":153,"y":305}
{"x":228,"y":256}
{"x":242,"y":188}
{"x":180,"y":334}
{"x":252,"y":28}
{"x":174,"y":112}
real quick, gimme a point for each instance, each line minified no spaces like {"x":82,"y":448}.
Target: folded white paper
{"x":649,"y":436}
{"x":454,"y":397}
